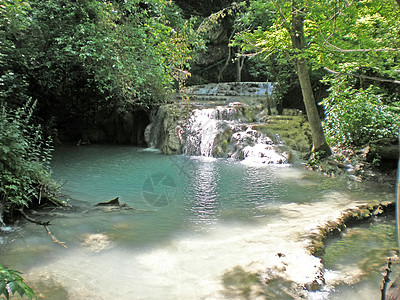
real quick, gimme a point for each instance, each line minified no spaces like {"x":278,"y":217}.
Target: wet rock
{"x":114,"y":202}
{"x":165,"y":132}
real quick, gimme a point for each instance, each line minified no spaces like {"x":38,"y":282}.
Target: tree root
{"x":44,"y":224}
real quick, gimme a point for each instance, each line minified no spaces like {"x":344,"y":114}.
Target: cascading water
{"x":218,"y":132}
{"x":217,"y":123}
{"x":204,"y":126}
{"x":3,"y":228}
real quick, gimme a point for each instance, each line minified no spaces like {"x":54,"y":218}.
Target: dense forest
{"x":67,"y":67}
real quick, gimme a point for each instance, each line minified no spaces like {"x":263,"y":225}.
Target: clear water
{"x":195,"y":222}
{"x":355,"y":261}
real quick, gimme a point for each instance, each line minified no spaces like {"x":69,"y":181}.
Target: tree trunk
{"x":398,"y":199}
{"x":239,"y":66}
{"x":297,"y":36}
{"x":318,"y":137}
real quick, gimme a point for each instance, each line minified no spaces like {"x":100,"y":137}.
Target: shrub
{"x":24,"y":158}
{"x":359,"y":116}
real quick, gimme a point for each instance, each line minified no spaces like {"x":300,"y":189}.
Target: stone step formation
{"x":228,"y":120}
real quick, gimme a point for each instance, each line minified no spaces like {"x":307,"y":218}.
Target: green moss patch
{"x":293,"y":130}
{"x":349,"y":218}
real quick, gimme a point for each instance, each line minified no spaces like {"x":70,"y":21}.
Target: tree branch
{"x":363,"y":76}
{"x":44,"y":224}
{"x":363,"y":50}
{"x":55,"y":240}
{"x":26,"y":217}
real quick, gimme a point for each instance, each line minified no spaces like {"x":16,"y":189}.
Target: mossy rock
{"x":349,"y":218}
{"x":293,"y":130}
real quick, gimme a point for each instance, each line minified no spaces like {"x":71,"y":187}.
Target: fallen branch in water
{"x":28,"y":218}
{"x":44,"y":224}
{"x":54,"y":238}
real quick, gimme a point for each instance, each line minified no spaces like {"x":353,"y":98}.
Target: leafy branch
{"x":11,"y":282}
{"x":363,"y":76}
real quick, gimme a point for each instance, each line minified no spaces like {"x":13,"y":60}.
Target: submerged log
{"x":113,"y":202}
{"x":44,"y":224}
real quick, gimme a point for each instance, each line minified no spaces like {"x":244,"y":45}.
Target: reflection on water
{"x":225,"y":217}
{"x":204,"y":194}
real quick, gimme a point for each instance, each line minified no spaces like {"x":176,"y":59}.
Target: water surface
{"x":195,"y":222}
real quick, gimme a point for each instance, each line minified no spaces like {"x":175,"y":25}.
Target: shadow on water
{"x":222,"y":217}
{"x":241,"y":284}
{"x":354,"y":261}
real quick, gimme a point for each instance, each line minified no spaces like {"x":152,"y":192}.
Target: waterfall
{"x":218,"y":122}
{"x":218,"y":132}
{"x":204,"y":126}
{"x":255,"y":147}
{"x":3,"y":227}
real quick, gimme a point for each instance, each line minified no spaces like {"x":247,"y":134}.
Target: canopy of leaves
{"x":359,"y":38}
{"x":77,"y":56}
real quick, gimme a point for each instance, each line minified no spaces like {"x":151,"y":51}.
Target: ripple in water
{"x":226,"y":220}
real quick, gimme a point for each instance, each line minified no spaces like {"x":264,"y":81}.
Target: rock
{"x":112,"y":202}
{"x":166,"y":132}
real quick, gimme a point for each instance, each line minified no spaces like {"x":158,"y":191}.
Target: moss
{"x":293,"y":130}
{"x":224,"y":145}
{"x":349,"y":218}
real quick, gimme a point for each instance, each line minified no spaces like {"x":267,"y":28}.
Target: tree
{"x":298,"y":43}
{"x":285,"y":33}
{"x":77,"y":58}
{"x":357,"y":39}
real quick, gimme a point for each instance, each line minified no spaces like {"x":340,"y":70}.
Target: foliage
{"x":77,"y":57}
{"x":24,"y":158}
{"x":316,"y":158}
{"x":132,"y":52}
{"x":350,"y":38}
{"x":11,"y":282}
{"x":276,"y":67}
{"x":14,"y":19}
{"x":336,"y":32}
{"x":359,"y":116}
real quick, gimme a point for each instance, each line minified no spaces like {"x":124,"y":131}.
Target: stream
{"x":200,"y":228}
